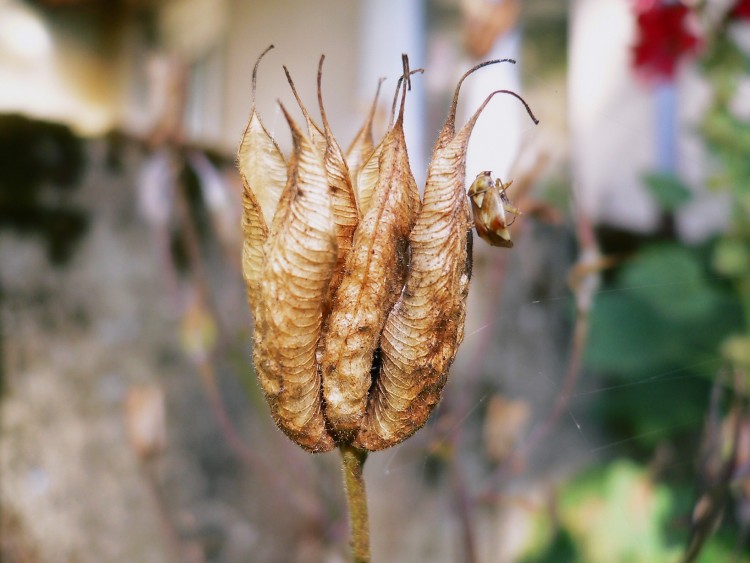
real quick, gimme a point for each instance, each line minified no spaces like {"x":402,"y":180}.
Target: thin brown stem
{"x":463,"y":506}
{"x":353,"y":462}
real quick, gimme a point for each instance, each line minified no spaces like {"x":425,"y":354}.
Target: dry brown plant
{"x":357,"y":287}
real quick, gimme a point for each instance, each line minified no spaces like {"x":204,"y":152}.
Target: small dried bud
{"x":358,"y":288}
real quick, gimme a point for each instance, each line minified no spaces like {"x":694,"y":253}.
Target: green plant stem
{"x":353,"y":462}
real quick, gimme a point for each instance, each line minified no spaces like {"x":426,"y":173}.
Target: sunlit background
{"x":597,"y":410}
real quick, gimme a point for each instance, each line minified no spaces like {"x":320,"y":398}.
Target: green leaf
{"x":664,"y":312}
{"x":629,"y":338}
{"x":671,"y":279}
{"x":732,"y":257}
{"x":618,"y":514}
{"x":668,"y":190}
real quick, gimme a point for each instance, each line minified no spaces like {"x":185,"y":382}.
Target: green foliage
{"x":670,"y":319}
{"x":731,"y":257}
{"x":655,"y":316}
{"x":561,"y":549}
{"x":649,"y":339}
{"x":668,"y":190}
{"x":670,"y":279}
{"x":618,"y":514}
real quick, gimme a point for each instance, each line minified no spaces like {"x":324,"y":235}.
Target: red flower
{"x":741,"y":10}
{"x":663,"y":39}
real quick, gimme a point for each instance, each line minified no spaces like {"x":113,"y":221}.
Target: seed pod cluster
{"x":357,"y":287}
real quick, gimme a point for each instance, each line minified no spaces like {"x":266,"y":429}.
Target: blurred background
{"x":598,"y":408}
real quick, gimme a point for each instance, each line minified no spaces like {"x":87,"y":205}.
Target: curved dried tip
{"x":408,"y":74}
{"x":488,"y":200}
{"x":254,"y":86}
{"x":316,"y":135}
{"x":263,"y":171}
{"x":449,"y":128}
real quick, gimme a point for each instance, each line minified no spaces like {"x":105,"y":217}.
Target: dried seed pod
{"x":425,"y":328}
{"x":489,"y":204}
{"x":264,"y":172}
{"x":344,"y":205}
{"x":367,"y":179}
{"x":146,"y":420}
{"x":300,"y":257}
{"x":374,"y":275}
{"x":361,"y":362}
{"x":254,"y":234}
{"x":369,"y":171}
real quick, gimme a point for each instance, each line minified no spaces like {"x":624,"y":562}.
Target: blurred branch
{"x":584,"y":280}
{"x":709,"y":509}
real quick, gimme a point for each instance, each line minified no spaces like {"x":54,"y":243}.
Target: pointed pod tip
{"x":451,"y":119}
{"x":323,"y":115}
{"x":255,"y":71}
{"x":406,"y":74}
{"x":287,"y":116}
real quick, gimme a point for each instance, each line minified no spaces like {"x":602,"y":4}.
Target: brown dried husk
{"x":344,"y":205}
{"x":373,"y":278}
{"x":264,"y":174}
{"x":300,"y":257}
{"x":426,"y":326}
{"x":359,"y":296}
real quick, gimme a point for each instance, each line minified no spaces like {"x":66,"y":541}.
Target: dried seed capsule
{"x":344,"y":205}
{"x":373,"y":278}
{"x":263,"y":173}
{"x":367,"y":178}
{"x":425,"y":328}
{"x":300,"y":256}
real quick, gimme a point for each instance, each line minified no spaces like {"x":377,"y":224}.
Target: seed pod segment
{"x":344,"y":205}
{"x":425,"y":328}
{"x":263,"y":171}
{"x":373,"y":279}
{"x":259,"y":158}
{"x":369,"y":171}
{"x":367,"y":178}
{"x":300,"y":256}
